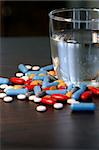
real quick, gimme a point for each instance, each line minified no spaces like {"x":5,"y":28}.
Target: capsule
{"x":83,"y":107}
{"x":50,"y":92}
{"x":48,"y":100}
{"x":4,"y":80}
{"x":29,"y":87}
{"x":16,"y":91}
{"x":49,"y":67}
{"x":94,"y":90}
{"x":22,"y":68}
{"x":37,"y":89}
{"x":52,"y":73}
{"x":16,"y":80}
{"x":77,"y":94}
{"x":52,"y":84}
{"x":38,"y":78}
{"x":86,"y":95}
{"x":59,"y":97}
{"x":45,"y":82}
{"x":83,"y":87}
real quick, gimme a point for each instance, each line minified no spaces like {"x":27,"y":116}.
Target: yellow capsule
{"x":36,"y":82}
{"x":53,"y":88}
{"x":62,"y":84}
{"x":17,"y":86}
{"x":60,"y":81}
{"x":42,"y":74}
{"x":53,"y":73}
{"x":31,"y":76}
{"x":69,"y":94}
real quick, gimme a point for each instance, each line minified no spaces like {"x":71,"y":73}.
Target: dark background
{"x":30,"y":18}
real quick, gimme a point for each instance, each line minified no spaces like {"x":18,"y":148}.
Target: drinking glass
{"x":74,"y":41}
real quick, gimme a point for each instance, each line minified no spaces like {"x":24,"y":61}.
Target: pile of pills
{"x":41,"y":85}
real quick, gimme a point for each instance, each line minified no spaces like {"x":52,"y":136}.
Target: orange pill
{"x":31,"y":76}
{"x":53,"y":88}
{"x":36,"y":82}
{"x":69,"y":94}
{"x":52,"y":73}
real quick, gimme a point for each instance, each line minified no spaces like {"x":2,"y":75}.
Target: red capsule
{"x":30,"y":87}
{"x":17,"y":80}
{"x":62,"y":87}
{"x":86,"y":95}
{"x":94,"y":90}
{"x":60,"y":97}
{"x":48,"y":100}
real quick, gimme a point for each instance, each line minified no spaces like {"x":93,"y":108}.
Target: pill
{"x":94,"y":90}
{"x":72,"y":101}
{"x":36,"y":82}
{"x":45,"y":82}
{"x":31,"y":76}
{"x":59,"y":97}
{"x":28,"y":67}
{"x":22,"y":68}
{"x":29,"y":87}
{"x":53,"y":88}
{"x":83,"y":107}
{"x":77,"y":94}
{"x":37,"y":99}
{"x":37,"y":89}
{"x":3,"y":86}
{"x":35,"y":68}
{"x":31,"y":97}
{"x":48,"y":67}
{"x":16,"y":91}
{"x":41,"y":108}
{"x":50,"y":92}
{"x":4,"y":80}
{"x":2,"y":95}
{"x":83,"y":87}
{"x":17,"y":80}
{"x":7,"y":99}
{"x":62,"y":84}
{"x":48,"y":100}
{"x":58,"y":105}
{"x":86,"y":95}
{"x":17,"y":87}
{"x":69,"y":88}
{"x":52,"y":73}
{"x":21,"y":96}
{"x":38,"y":78}
{"x":19,"y":74}
{"x":52,"y":84}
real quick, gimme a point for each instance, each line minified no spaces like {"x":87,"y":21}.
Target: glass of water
{"x":74,"y":40}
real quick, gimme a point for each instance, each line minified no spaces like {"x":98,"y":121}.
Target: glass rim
{"x":54,"y":17}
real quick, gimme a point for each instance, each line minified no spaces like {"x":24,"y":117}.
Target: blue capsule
{"x":36,"y":72}
{"x":15,"y":92}
{"x":22,"y":68}
{"x":52,"y":84}
{"x":83,"y":87}
{"x":45,"y":81}
{"x":49,"y":67}
{"x":77,"y":94}
{"x":50,"y":92}
{"x":83,"y":107}
{"x":38,"y":78}
{"x":4,"y":80}
{"x":37,"y":89}
{"x":69,"y":88}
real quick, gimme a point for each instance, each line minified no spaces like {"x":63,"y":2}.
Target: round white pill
{"x":25,"y":78}
{"x":58,"y":105}
{"x":41,"y":108}
{"x":35,"y":68}
{"x":2,"y":95}
{"x":37,"y":99}
{"x":72,"y":101}
{"x":31,"y":97}
{"x":3,"y":86}
{"x":19,"y":74}
{"x":28,"y":66}
{"x":7,"y":99}
{"x":21,"y":96}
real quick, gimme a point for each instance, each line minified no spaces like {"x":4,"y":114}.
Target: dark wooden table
{"x":22,"y":127}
